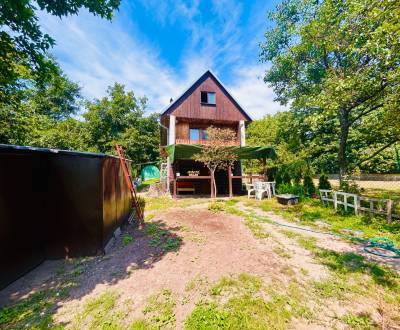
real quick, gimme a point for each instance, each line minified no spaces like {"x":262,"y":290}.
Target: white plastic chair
{"x":250,"y":189}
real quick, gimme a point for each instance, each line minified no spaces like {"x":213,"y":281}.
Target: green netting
{"x":186,"y":151}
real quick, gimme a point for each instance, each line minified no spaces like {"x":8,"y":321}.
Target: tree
{"x":37,"y":109}
{"x":119,"y":118}
{"x":23,"y":45}
{"x":217,"y":153}
{"x":337,"y":61}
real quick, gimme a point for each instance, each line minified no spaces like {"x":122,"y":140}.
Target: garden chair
{"x":263,"y":188}
{"x":250,"y":189}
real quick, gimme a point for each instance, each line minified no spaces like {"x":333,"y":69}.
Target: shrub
{"x":323,"y":182}
{"x":289,"y":189}
{"x":308,"y":185}
{"x":142,"y":202}
{"x":349,"y":186}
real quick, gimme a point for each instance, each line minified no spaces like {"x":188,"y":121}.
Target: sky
{"x":159,"y":48}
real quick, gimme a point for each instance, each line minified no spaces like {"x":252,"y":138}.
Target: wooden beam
{"x":175,"y":188}
{"x":230,"y":181}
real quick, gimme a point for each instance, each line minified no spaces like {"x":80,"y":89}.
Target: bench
{"x":185,"y":186}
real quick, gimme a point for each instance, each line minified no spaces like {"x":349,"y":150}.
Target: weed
{"x":100,"y":313}
{"x":307,"y":242}
{"x":127,"y":239}
{"x":217,"y":206}
{"x":280,"y":251}
{"x":159,"y":310}
{"x":289,"y":233}
{"x":359,"y":322}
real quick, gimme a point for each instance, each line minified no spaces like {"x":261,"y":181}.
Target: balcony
{"x":204,"y":142}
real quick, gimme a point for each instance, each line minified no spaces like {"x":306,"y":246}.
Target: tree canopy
{"x":336,"y":63}
{"x":24,"y":46}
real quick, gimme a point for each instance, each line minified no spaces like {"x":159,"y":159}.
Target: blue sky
{"x":157,"y":48}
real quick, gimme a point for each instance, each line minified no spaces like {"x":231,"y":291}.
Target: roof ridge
{"x":164,"y":111}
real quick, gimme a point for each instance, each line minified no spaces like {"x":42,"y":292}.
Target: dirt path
{"x":212,"y":245}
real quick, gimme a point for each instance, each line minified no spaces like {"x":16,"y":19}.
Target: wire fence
{"x":372,"y":185}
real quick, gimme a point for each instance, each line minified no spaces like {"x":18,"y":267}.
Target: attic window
{"x":207,"y":97}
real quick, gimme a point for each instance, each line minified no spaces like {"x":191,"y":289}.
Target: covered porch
{"x":191,"y":177}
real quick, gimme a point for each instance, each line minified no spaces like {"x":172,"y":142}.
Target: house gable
{"x":189,"y":104}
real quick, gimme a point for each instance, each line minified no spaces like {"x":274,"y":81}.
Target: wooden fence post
{"x":230,"y":181}
{"x":357,"y":204}
{"x":345,"y":201}
{"x":389,"y":208}
{"x":335,"y":200}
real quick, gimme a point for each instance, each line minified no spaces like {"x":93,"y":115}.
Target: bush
{"x":142,"y":202}
{"x":349,"y":186}
{"x":289,"y":189}
{"x":308,"y":185}
{"x":323,"y":182}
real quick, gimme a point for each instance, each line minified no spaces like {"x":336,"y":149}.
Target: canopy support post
{"x":230,"y":181}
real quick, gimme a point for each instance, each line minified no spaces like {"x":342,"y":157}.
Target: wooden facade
{"x":189,"y":113}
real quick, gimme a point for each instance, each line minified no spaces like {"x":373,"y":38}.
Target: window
{"x":198,"y":134}
{"x":208,"y":97}
{"x":194,"y":134}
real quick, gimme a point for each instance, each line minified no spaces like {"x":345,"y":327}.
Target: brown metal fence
{"x":56,"y":204}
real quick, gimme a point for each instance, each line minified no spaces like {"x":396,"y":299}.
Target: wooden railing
{"x":360,"y":203}
{"x":188,"y":141}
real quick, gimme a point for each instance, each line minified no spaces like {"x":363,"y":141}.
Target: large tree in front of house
{"x":336,"y":62}
{"x":217,"y":154}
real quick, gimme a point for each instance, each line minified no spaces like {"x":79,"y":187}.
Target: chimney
{"x":171,"y":100}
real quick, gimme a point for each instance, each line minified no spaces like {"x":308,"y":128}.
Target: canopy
{"x":186,"y":151}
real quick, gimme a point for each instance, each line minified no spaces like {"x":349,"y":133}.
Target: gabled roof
{"x":168,"y":109}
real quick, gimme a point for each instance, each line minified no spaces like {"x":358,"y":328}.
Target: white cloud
{"x":256,"y":97}
{"x":97,"y":53}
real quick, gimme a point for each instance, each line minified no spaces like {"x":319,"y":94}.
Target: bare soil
{"x":213,"y":245}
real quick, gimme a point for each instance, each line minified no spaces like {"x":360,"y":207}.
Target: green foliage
{"x":308,"y":186}
{"x":100,"y":312}
{"x":349,"y":186}
{"x":217,"y":206}
{"x":159,"y":311}
{"x":246,"y":304}
{"x":289,"y":189}
{"x":127,"y":239}
{"x":23,"y":45}
{"x":323,"y":182}
{"x":332,"y":63}
{"x":162,"y":238}
{"x":359,"y":322}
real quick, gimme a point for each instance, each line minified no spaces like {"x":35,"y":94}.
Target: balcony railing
{"x":188,"y":141}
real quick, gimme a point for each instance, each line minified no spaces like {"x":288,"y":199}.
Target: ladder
{"x":129,"y":182}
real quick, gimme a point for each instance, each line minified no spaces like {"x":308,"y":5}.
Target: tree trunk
{"x":213,"y":184}
{"x":344,"y":134}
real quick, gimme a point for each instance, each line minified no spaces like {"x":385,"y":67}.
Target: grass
{"x":312,"y":212}
{"x":246,"y":303}
{"x":359,"y":322}
{"x":159,"y":312}
{"x":36,"y":310}
{"x":162,"y":238}
{"x":164,"y":202}
{"x":100,"y":312}
{"x":146,"y":184}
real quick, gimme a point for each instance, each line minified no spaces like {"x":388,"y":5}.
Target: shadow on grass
{"x":348,"y":263}
{"x":33,"y":303}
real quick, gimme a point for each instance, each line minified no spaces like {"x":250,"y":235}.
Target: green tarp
{"x":186,"y":151}
{"x":150,"y":172}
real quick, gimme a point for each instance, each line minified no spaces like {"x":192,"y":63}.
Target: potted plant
{"x":193,"y":173}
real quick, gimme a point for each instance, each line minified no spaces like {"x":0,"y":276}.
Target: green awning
{"x":186,"y":151}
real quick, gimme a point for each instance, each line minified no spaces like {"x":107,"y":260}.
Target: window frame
{"x":207,"y":93}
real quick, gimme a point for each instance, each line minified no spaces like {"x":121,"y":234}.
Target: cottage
{"x":184,"y":122}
